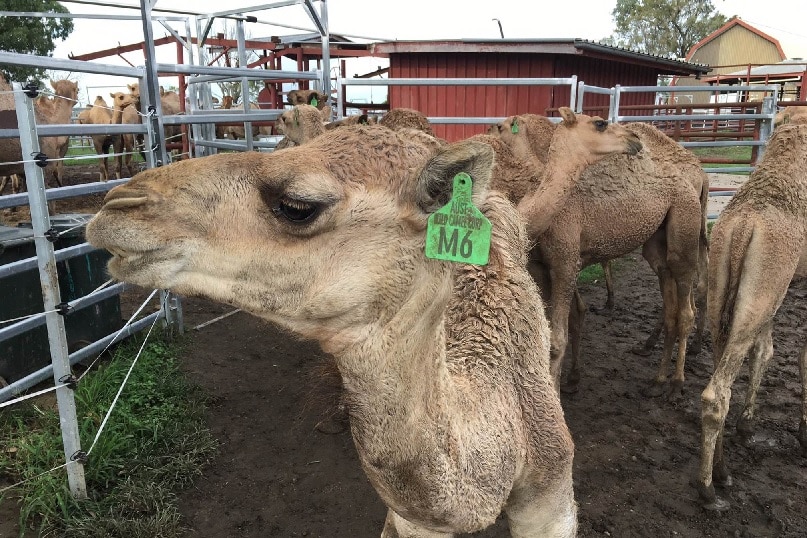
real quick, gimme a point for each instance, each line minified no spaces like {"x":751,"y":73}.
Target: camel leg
{"x":397,"y":527}
{"x":577,"y":314}
{"x":117,"y":147}
{"x":609,"y":285}
{"x":803,"y":422}
{"x":757,"y":363}
{"x":700,"y":295}
{"x":563,"y":289}
{"x":532,"y":512}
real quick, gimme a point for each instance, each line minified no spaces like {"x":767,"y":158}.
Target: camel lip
{"x":125,"y":202}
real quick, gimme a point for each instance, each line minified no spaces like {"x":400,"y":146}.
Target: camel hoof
{"x":745,"y":426}
{"x":676,"y":389}
{"x":335,"y":424}
{"x":709,"y":499}
{"x":654,"y":390}
{"x":642,"y":351}
{"x":570,"y":387}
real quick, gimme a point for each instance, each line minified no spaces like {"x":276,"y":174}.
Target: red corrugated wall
{"x":480,"y":101}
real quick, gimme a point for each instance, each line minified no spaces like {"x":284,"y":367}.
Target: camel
{"x":52,"y":111}
{"x":568,"y":229}
{"x":314,"y":98}
{"x":794,"y":114}
{"x":530,"y":135}
{"x":445,"y":366}
{"x":406,"y":118}
{"x":758,"y":245}
{"x":101,"y":114}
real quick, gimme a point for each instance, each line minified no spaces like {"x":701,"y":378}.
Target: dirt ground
{"x":276,"y":475}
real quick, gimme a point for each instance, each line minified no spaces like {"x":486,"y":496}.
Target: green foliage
{"x":664,"y":27}
{"x":31,"y":35}
{"x":154,"y":443}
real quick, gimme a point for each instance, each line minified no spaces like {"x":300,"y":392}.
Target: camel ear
{"x":436,"y":180}
{"x":364,"y":120}
{"x":568,"y":115}
{"x":53,"y":84}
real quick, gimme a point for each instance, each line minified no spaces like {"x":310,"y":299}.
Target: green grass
{"x":153,"y":445}
{"x":594,"y":273}
{"x":88,"y":151}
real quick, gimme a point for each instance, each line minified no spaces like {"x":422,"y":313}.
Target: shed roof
{"x":735,"y":21}
{"x":788,"y":69}
{"x":570,"y":46}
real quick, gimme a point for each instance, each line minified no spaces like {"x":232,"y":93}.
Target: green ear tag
{"x":514,"y":126}
{"x":458,"y":231}
{"x":314,"y":102}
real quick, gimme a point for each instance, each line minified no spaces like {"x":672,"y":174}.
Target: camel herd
{"x":451,"y":372}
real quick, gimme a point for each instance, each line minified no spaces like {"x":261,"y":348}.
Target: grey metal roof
{"x":787,"y":67}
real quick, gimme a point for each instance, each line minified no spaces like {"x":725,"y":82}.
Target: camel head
{"x":227,"y":101}
{"x":65,"y":88}
{"x":591,"y":138}
{"x":301,"y":123}
{"x":323,"y":238}
{"x":121,"y":100}
{"x":528,"y":135}
{"x":307,"y":97}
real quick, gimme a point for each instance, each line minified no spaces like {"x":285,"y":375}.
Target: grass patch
{"x":153,"y":445}
{"x":594,"y":273}
{"x":81,"y":155}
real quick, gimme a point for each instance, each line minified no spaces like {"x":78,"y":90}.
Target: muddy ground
{"x":276,"y":475}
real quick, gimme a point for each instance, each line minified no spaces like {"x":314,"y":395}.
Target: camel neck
{"x":563,"y":169}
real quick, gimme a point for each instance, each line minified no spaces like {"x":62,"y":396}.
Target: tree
{"x":664,"y":27}
{"x":31,"y":35}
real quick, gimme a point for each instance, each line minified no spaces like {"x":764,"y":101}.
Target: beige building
{"x":733,"y":47}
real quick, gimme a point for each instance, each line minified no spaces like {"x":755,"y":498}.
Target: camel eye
{"x":296,"y":211}
{"x":601,"y":125}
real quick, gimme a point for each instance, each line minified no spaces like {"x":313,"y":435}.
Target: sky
{"x":402,"y":20}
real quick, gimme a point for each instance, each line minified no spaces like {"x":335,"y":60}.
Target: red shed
{"x":593,"y":63}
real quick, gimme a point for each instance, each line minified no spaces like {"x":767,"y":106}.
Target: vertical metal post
{"x":172,"y":306}
{"x":151,"y":158}
{"x":153,"y":87}
{"x":326,"y":50}
{"x":581,"y":93}
{"x":613,"y":112}
{"x":242,"y":62}
{"x":573,"y":93}
{"x":766,"y":125}
{"x":49,"y":278}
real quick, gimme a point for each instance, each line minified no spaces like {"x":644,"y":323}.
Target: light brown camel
{"x":235,"y":132}
{"x":445,"y":366}
{"x":530,"y":135}
{"x":653,"y":192}
{"x":758,"y":245}
{"x":101,"y":114}
{"x":47,"y":111}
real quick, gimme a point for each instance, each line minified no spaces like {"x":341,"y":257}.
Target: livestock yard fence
{"x":726,"y":124}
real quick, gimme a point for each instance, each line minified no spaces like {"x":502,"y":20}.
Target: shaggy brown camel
{"x":51,"y":111}
{"x":664,"y":171}
{"x":791,"y":114}
{"x":406,"y":118}
{"x":758,"y":245}
{"x":445,"y":366}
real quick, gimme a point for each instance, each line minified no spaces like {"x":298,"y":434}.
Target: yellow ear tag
{"x":458,"y":231}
